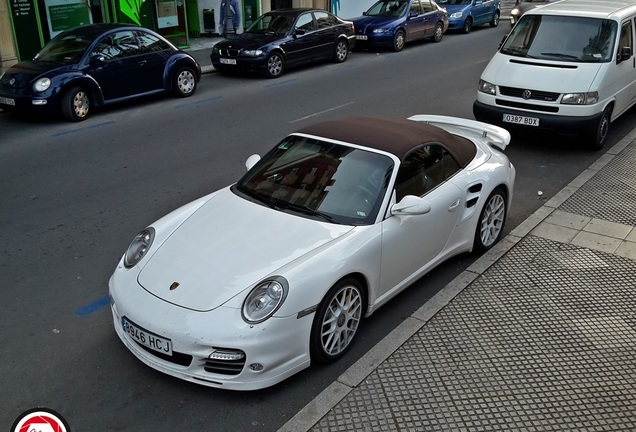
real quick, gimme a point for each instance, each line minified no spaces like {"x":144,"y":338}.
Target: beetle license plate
{"x":146,"y":338}
{"x":516,"y":119}
{"x":228,"y":61}
{"x":7,"y":101}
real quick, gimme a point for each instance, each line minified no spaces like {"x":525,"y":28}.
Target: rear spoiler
{"x":495,"y":136}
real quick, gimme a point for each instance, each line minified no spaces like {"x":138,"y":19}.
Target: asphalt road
{"x":74,"y":195}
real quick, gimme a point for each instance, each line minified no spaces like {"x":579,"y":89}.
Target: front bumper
{"x":274,"y":350}
{"x":560,"y":124}
{"x":242,"y":64}
{"x":375,"y":39}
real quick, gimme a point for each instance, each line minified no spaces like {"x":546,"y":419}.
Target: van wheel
{"x":599,"y":138}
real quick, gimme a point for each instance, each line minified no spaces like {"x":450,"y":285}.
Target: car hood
{"x":23,"y":73}
{"x":452,"y":8}
{"x":364,"y":22}
{"x":249,"y":41}
{"x":509,"y":71}
{"x":227,"y":246}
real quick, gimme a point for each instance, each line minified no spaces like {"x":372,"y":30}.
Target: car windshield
{"x":272,"y":23}
{"x":65,"y":48}
{"x":563,"y":38}
{"x":388,"y":8}
{"x":320,"y":180}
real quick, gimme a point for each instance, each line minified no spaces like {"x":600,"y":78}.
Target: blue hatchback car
{"x":95,"y":65}
{"x":464,"y":14}
{"x":392,"y":23}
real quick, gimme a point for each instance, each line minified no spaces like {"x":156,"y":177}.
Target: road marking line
{"x":322,"y":112}
{"x":92,"y":307}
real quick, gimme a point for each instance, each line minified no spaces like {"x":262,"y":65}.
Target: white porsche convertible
{"x":250,"y":284}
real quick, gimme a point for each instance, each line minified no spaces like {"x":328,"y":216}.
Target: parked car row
{"x":101,"y":64}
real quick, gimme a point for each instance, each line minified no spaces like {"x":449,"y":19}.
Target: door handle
{"x":454,"y":206}
{"x":143,"y":62}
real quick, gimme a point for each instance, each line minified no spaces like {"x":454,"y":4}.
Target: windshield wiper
{"x":258,"y":197}
{"x":305,"y":210}
{"x":560,"y":55}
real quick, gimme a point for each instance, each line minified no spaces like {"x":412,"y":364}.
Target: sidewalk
{"x":539,"y":334}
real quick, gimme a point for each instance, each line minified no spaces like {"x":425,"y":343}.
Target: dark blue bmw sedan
{"x":95,"y":65}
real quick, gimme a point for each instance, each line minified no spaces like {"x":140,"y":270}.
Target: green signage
{"x":67,"y":16}
{"x":26,"y":23}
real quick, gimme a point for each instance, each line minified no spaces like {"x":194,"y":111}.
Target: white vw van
{"x":566,"y":67}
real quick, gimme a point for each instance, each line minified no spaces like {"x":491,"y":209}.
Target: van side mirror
{"x":625,"y":53}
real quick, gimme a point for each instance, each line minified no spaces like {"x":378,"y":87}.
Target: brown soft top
{"x":392,"y":135}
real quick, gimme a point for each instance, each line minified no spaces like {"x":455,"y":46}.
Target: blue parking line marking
{"x":83,"y":129}
{"x":92,"y":307}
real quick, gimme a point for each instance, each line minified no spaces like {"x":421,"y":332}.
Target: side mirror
{"x":299,"y":32}
{"x":625,"y":53}
{"x":96,"y":59}
{"x":411,"y":205}
{"x":251,"y":161}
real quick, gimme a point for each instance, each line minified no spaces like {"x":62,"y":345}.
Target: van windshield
{"x":563,"y":38}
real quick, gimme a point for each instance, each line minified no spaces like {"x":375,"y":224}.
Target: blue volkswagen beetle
{"x":95,"y":65}
{"x":464,"y":14}
{"x":392,"y":23}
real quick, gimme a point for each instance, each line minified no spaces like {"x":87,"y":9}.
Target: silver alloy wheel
{"x":341,"y":51}
{"x":398,"y":43}
{"x":274,"y":65}
{"x":341,"y":319}
{"x":439,"y":33}
{"x":492,"y":220}
{"x":186,"y":81}
{"x":81,"y":104}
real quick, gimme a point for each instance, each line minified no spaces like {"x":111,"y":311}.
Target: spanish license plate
{"x":361,"y":37}
{"x":7,"y":101}
{"x":517,"y":119}
{"x":228,"y":61}
{"x":146,"y":338}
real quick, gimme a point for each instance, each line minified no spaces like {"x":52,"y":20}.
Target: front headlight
{"x":580,"y":98}
{"x":486,"y":87}
{"x":139,"y":247}
{"x":381,"y":30}
{"x":264,"y":300}
{"x":456,"y":15}
{"x":514,"y":12}
{"x":253,"y":53}
{"x":41,"y":85}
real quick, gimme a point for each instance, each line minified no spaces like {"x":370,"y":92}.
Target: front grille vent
{"x":539,"y":95}
{"x":229,"y":52}
{"x":225,"y":366}
{"x":178,"y":358}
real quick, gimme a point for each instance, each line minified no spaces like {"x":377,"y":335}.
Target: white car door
{"x":411,"y":242}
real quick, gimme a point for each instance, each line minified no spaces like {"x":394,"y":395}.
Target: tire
{"x":184,"y":82}
{"x":495,"y":20}
{"x":337,"y":321}
{"x":341,"y":51}
{"x":399,"y":40}
{"x":274,"y":65}
{"x":491,"y":221}
{"x":598,"y":140}
{"x":439,"y":33}
{"x":76,"y":104}
{"x":468,"y":25}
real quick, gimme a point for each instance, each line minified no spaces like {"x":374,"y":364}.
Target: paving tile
{"x":596,"y":241}
{"x":568,"y":220}
{"x":554,"y":232}
{"x":608,"y":228}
